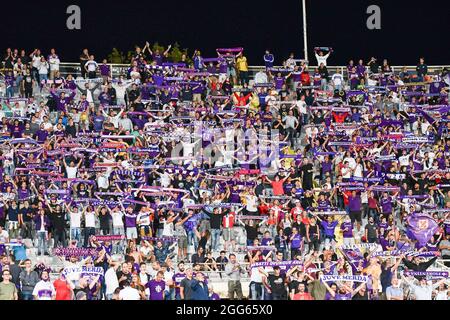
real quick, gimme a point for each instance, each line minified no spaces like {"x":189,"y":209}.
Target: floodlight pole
{"x":305,"y":38}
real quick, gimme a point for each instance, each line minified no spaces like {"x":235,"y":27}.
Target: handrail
{"x":118,"y":69}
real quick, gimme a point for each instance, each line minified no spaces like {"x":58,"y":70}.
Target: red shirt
{"x":372,"y":203}
{"x":263,"y":209}
{"x":277,"y":187}
{"x":302,"y":296}
{"x":305,"y":79}
{"x":348,"y":193}
{"x":339,"y":117}
{"x":228,"y":220}
{"x":63,"y":291}
{"x":296,"y":211}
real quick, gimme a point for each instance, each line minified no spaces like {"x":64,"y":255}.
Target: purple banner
{"x":421,"y":227}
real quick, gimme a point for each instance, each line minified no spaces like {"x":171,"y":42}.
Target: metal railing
{"x":122,"y":69}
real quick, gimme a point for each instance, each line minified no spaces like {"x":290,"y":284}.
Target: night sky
{"x":409,"y":28}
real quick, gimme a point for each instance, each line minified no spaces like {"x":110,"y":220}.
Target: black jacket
{"x":423,"y":266}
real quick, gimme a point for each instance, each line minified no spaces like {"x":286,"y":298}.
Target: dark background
{"x":409,"y":28}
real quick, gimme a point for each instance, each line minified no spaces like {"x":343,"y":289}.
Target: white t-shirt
{"x":111,"y":281}
{"x":404,"y":160}
{"x":75,"y":219}
{"x":102,"y":181}
{"x":358,"y":171}
{"x":168,"y":276}
{"x":188,"y":149}
{"x":165,"y":180}
{"x":251,"y":203}
{"x":36,"y":61}
{"x":346,"y":172}
{"x":117,"y":218}
{"x":301,"y":105}
{"x":167,"y":229}
{"x":90,"y":219}
{"x":322,"y":59}
{"x":91,"y":66}
{"x":424,"y":127}
{"x":422,"y":293}
{"x":351,"y":162}
{"x":43,"y":68}
{"x":337,"y":79}
{"x":442,"y":295}
{"x":144,"y":277}
{"x":71,"y":172}
{"x":256,"y":276}
{"x":44,"y":290}
{"x":129,"y":293}
{"x":54,"y":63}
{"x":143,"y":218}
{"x":261,"y":77}
{"x":4,"y":236}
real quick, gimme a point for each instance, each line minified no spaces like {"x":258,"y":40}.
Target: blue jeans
{"x":43,"y":76}
{"x":266,"y":294}
{"x":373,"y":214}
{"x":18,"y":81}
{"x":169,"y":295}
{"x":257,"y":290}
{"x":191,"y":236}
{"x":9,"y":169}
{"x":42,"y":242}
{"x":27,"y":295}
{"x":35,"y":74}
{"x":118,"y":248}
{"x":305,"y":118}
{"x":88,"y":232}
{"x":215,"y":237}
{"x":75,"y":234}
{"x":9,"y":91}
{"x":340,"y":201}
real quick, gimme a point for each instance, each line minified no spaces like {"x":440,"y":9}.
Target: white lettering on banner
{"x":329,"y":278}
{"x":84,"y":270}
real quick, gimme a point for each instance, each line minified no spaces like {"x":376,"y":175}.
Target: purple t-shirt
{"x":214,"y":296}
{"x":104,"y":70}
{"x":177,"y":277}
{"x":386,"y":204}
{"x":354,"y":203}
{"x":130,"y":220}
{"x":279,"y":81}
{"x":296,"y":241}
{"x":156,"y":289}
{"x":346,"y":296}
{"x":329,"y":228}
{"x":349,"y":227}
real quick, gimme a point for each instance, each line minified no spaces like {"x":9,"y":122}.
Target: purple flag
{"x":421,"y":227}
{"x":353,"y":254}
{"x":426,"y":116}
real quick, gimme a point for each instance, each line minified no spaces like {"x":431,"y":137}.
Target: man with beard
{"x":44,"y":289}
{"x":177,"y":278}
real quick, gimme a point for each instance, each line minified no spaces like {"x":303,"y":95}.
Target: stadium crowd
{"x":305,"y":183}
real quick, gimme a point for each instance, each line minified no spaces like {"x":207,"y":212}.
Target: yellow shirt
{"x":242,"y":64}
